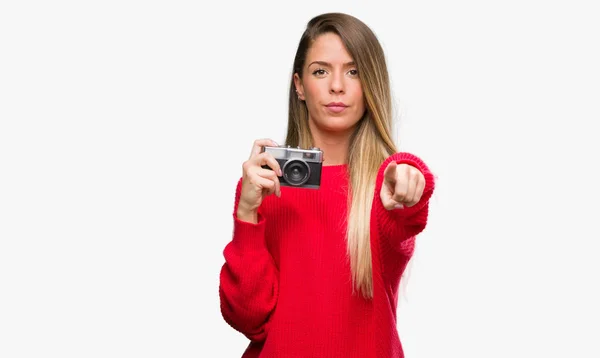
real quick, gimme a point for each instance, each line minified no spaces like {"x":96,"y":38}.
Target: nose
{"x":337,"y":84}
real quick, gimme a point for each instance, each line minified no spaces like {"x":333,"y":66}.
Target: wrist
{"x":247,"y":214}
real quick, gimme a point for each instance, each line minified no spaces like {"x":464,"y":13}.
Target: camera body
{"x":301,"y":168}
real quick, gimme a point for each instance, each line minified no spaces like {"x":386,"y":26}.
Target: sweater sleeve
{"x":397,"y":225}
{"x":249,"y":280}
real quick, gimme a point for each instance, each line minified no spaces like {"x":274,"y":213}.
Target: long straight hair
{"x":371,"y":142}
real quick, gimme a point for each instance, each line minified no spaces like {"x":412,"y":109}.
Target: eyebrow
{"x":323,"y":63}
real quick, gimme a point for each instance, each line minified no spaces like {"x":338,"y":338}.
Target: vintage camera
{"x":300,"y":167}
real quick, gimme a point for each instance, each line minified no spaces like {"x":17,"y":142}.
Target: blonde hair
{"x":371,"y":142}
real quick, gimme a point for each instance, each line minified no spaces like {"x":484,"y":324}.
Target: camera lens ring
{"x":291,"y":164}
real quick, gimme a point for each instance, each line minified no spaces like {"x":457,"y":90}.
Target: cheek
{"x":313,"y":91}
{"x":358,"y":98}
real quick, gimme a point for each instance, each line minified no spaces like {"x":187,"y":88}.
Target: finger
{"x":263,"y":183}
{"x":419,"y":190}
{"x":410,"y":190}
{"x":269,"y":174}
{"x":387,"y":202}
{"x":400,"y":192}
{"x":415,"y":187}
{"x":389,"y":174}
{"x":391,"y":204}
{"x":259,"y":143}
{"x":267,"y":159}
{"x":401,"y":187}
{"x":394,"y":205}
{"x":386,"y":199}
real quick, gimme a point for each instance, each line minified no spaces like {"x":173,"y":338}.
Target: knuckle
{"x":251,"y":173}
{"x":260,"y":157}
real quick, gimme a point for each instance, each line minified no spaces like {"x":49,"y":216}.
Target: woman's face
{"x":330,"y":77}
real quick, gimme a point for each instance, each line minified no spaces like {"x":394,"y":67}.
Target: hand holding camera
{"x":257,"y":182}
{"x":271,"y":166}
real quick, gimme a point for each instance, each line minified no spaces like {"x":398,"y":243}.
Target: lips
{"x":336,"y":107}
{"x":337,"y":104}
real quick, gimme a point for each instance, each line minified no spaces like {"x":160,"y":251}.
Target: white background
{"x":124,"y":124}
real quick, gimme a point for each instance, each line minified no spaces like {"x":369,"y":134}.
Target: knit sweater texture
{"x":286,"y":282}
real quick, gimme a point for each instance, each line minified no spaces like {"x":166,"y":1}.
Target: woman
{"x":315,"y":273}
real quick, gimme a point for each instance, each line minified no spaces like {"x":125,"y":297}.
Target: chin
{"x":329,"y":123}
{"x":336,"y":126}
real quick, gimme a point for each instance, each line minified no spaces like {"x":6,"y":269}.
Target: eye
{"x":319,"y":72}
{"x":353,"y":72}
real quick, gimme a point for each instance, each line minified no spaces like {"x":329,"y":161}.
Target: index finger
{"x":389,"y":174}
{"x":268,"y":160}
{"x":259,"y":143}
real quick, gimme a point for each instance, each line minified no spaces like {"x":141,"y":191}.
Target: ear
{"x":299,"y":86}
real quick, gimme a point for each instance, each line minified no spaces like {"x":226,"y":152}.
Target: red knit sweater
{"x":286,"y":281}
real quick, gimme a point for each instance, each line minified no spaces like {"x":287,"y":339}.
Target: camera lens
{"x":296,"y":172}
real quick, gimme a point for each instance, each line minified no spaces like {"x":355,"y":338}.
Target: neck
{"x":335,"y":146}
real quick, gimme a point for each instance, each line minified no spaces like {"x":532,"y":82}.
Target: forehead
{"x":329,"y":48}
